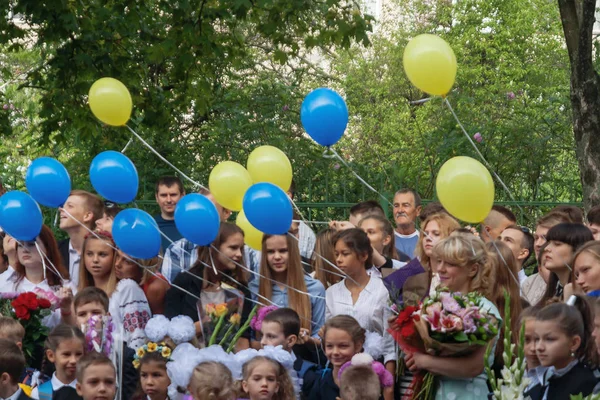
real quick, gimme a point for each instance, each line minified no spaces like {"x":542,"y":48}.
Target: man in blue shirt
{"x":169,"y":190}
{"x":407,"y":207}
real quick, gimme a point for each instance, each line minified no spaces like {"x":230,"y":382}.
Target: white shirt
{"x":56,"y":384}
{"x":306,"y":240}
{"x":522,"y":277}
{"x":74,"y":258}
{"x":370,"y":310}
{"x":15,"y":395}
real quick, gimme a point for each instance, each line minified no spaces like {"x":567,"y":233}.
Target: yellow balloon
{"x":110,"y":101}
{"x":252,"y":236}
{"x":465,"y":188}
{"x":228,"y":182}
{"x":269,"y":164}
{"x":430,"y":64}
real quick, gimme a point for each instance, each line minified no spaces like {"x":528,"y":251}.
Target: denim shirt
{"x":279,"y":297}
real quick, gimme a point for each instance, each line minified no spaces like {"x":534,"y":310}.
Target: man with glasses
{"x":520,"y":241}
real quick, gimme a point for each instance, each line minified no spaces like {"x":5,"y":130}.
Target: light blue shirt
{"x":280,"y":297}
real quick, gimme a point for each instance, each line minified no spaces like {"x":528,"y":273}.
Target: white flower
{"x":157,"y":328}
{"x":181,"y":329}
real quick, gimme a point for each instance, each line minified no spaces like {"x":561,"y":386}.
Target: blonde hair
{"x":592,"y":248}
{"x":324,"y":247}
{"x":297,"y":301}
{"x":85,"y":278}
{"x":360,"y":382}
{"x":212,"y":380}
{"x":11,"y":329}
{"x":462,"y":249}
{"x":447,"y":225}
{"x":286,"y":387}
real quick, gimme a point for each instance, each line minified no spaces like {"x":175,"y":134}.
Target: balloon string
{"x":126,"y":146}
{"x":487,"y":164}
{"x":371,"y":188}
{"x":163,"y":159}
{"x":313,"y":222}
{"x":502,"y":258}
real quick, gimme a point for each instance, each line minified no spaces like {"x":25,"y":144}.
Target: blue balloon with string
{"x":324,"y":115}
{"x":48,"y":182}
{"x":135,"y":233}
{"x":197,"y":219}
{"x":114,"y":176}
{"x":20,"y":216}
{"x":268,"y":208}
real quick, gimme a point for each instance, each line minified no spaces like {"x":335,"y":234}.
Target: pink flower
{"x":336,"y":166}
{"x":510,"y":95}
{"x":433,"y":318}
{"x":286,"y":108}
{"x":478,"y":138}
{"x":5,"y":106}
{"x":256,"y":322}
{"x":449,"y":303}
{"x":451,"y":323}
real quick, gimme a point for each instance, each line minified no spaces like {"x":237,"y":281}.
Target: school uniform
{"x":318,"y":384}
{"x":18,"y":395}
{"x":46,"y":390}
{"x":559,"y":384}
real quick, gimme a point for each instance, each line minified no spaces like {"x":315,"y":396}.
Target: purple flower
{"x":478,"y":138}
{"x":286,"y":108}
{"x":450,"y":304}
{"x":510,"y":95}
{"x":256,"y":322}
{"x":5,"y":106}
{"x":336,"y":166}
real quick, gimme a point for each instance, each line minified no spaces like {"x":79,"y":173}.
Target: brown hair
{"x":552,"y":218}
{"x":369,"y":207}
{"x":574,"y":213}
{"x":358,"y":242}
{"x":212,"y":380}
{"x":85,"y":278}
{"x":286,"y":387}
{"x":92,"y":204}
{"x":593,"y":216}
{"x":288,"y":319}
{"x":447,"y":225}
{"x":111,"y":209}
{"x":63,"y":332}
{"x":325,"y":272}
{"x":464,"y":250}
{"x":169,"y":181}
{"x":11,"y":329}
{"x":347,"y":324}
{"x":91,"y":294}
{"x":360,"y":382}
{"x":53,"y":254}
{"x":90,"y":359}
{"x":389,"y":250}
{"x":12,"y":360}
{"x":295,"y":279}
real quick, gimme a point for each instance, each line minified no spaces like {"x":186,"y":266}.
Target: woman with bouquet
{"x":463,"y":265}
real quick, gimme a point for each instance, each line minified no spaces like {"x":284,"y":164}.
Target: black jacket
{"x":580,"y":379}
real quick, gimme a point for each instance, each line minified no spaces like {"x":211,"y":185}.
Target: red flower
{"x":28,"y":299}
{"x":44,"y":303}
{"x":21,"y":312}
{"x":406,"y":315}
{"x":408,"y":330}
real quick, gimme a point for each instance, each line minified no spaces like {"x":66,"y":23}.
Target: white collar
{"x":522,"y":276}
{"x":71,"y":248}
{"x":15,"y":395}
{"x":57,"y":384}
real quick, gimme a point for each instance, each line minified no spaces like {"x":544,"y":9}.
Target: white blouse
{"x":130,"y":311}
{"x":371,"y":310}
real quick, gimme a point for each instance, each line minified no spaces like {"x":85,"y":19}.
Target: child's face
{"x":377,"y":236}
{"x":98,"y":258}
{"x":98,"y":383}
{"x":262,"y":383}
{"x":65,"y":359}
{"x":347,"y":260}
{"x":552,"y":346}
{"x":339,"y":347}
{"x":86,"y":311}
{"x":530,"y":355}
{"x":277,"y":253}
{"x":272,"y":335}
{"x":154,"y":380}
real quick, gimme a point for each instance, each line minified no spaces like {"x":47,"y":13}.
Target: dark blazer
{"x":580,"y":379}
{"x":23,"y":396}
{"x":63,"y":249}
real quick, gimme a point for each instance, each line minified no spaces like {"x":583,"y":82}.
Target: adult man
{"x":407,"y":207}
{"x":80,"y":211}
{"x":182,"y":254}
{"x":520,"y":241}
{"x":593,"y":222}
{"x":496,"y":222}
{"x":169,"y":190}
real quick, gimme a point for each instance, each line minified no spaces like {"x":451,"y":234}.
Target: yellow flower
{"x":210,"y":309}
{"x":235,"y":319}
{"x":166,"y":352}
{"x":26,"y":389}
{"x":220,"y":310}
{"x":152,"y":347}
{"x":136,"y":364}
{"x":140,"y":352}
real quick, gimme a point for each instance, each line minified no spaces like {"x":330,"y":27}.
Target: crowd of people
{"x":319,"y":306}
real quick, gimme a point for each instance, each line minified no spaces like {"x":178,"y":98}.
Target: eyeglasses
{"x":109,"y":204}
{"x":525,"y":229}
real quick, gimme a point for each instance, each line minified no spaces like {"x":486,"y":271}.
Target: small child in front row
{"x":12,"y":366}
{"x":64,"y":347}
{"x":281,"y":327}
{"x":154,"y":381}
{"x":212,"y":380}
{"x":96,"y":377}
{"x":564,"y":346}
{"x":266,"y":379}
{"x":359,"y":382}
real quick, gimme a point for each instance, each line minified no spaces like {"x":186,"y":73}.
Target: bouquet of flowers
{"x":446,"y":325}
{"x":29,"y":308}
{"x":99,"y":334}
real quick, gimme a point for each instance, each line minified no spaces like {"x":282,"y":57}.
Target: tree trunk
{"x":578,"y":17}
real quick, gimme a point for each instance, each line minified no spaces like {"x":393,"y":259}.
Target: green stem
{"x":213,"y":337}
{"x":226,"y":336}
{"x":243,"y":329}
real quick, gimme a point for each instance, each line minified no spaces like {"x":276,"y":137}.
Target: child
{"x":381,"y":234}
{"x":64,"y":347}
{"x":96,"y":377}
{"x":281,"y":327}
{"x":90,"y":302}
{"x":127,"y":305}
{"x":343,"y":337}
{"x":360,"y":382}
{"x":12,"y":366}
{"x":212,"y":380}
{"x":266,"y":379}
{"x":154,"y":381}
{"x":564,"y":346}
{"x":527,"y":318}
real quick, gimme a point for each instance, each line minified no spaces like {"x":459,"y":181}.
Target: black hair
{"x":575,"y":235}
{"x":357,"y":241}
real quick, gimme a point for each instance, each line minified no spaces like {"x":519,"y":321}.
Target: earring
{"x":572,"y":354}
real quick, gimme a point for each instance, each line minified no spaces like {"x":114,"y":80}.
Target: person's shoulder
{"x":313,"y":284}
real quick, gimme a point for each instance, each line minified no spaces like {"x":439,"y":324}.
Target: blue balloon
{"x":20,"y":216}
{"x":324,"y":115}
{"x":136,"y":233}
{"x":268,"y":208}
{"x":48,"y":182}
{"x":114,"y":176}
{"x":197,"y":219}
